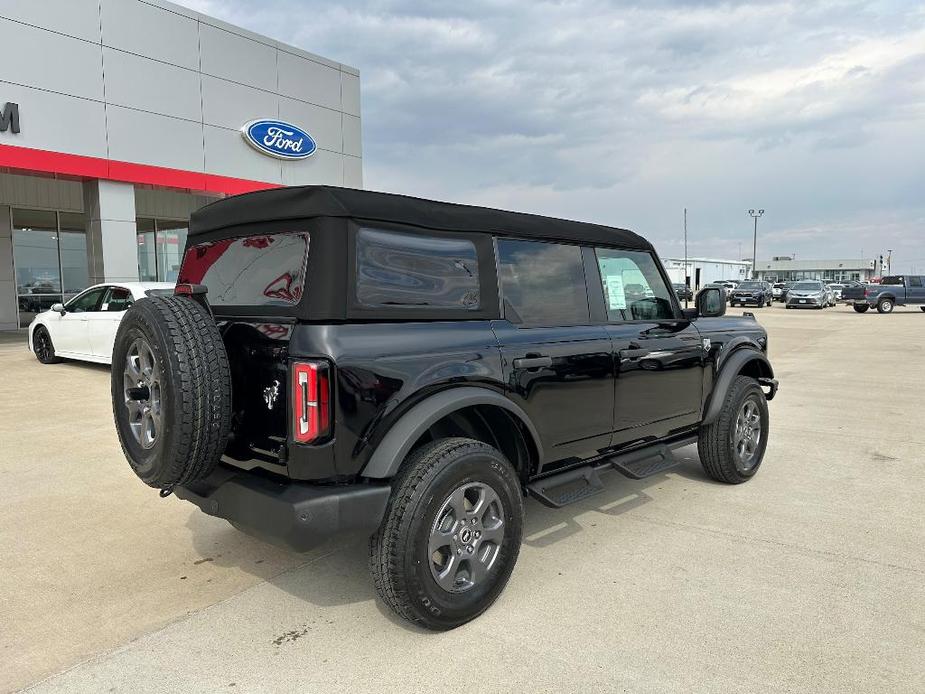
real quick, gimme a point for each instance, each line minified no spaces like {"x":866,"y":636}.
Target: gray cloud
{"x":624,"y":114}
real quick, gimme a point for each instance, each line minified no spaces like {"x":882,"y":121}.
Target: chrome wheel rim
{"x":466,"y":537}
{"x":747,"y":434}
{"x":141,"y":383}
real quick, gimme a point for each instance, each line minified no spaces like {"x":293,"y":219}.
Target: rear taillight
{"x":311,"y":401}
{"x":867,"y":292}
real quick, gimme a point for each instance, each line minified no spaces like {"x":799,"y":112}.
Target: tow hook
{"x":771,"y":385}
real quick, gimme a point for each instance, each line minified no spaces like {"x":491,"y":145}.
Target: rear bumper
{"x":296,"y":515}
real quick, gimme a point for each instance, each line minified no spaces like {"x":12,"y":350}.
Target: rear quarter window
{"x":395,"y":269}
{"x":265,"y":270}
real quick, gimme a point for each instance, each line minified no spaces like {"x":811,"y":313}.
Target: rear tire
{"x":885,"y":306}
{"x":435,"y":560}
{"x":171,"y":391}
{"x":732,"y":447}
{"x":862,"y":308}
{"x":42,"y":346}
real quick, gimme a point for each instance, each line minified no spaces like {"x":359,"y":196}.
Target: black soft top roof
{"x":279,"y":204}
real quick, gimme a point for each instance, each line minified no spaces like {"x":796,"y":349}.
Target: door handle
{"x":633,"y":353}
{"x":532,"y":362}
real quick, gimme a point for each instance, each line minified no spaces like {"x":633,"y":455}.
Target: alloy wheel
{"x":746,"y":437}
{"x":141,"y":381}
{"x":41,"y":344}
{"x":466,"y":537}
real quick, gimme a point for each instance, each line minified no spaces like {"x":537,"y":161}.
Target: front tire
{"x":451,"y":535}
{"x":43,"y":347}
{"x":732,"y":447}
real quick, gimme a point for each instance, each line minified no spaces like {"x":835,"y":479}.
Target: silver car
{"x":809,"y":294}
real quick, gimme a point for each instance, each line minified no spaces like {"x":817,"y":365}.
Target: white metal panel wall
{"x":150,"y":82}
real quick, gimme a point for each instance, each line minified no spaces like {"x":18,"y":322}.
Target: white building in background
{"x":702,"y":271}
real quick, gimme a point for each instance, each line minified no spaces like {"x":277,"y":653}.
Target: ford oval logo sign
{"x":276,"y":138}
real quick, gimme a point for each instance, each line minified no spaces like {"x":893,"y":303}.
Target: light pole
{"x":687,"y":282}
{"x":889,"y":261}
{"x":754,"y":215}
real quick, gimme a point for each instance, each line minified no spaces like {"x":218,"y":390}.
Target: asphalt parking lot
{"x":811,"y":577}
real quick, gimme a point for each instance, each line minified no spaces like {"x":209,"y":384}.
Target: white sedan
{"x":85,"y":327}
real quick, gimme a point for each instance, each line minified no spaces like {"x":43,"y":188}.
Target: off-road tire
{"x":861,"y":308}
{"x":715,"y":444}
{"x":44,"y":356}
{"x":195,"y":390}
{"x":885,"y":306}
{"x":398,"y":553}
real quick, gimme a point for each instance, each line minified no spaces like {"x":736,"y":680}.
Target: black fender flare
{"x":731,"y":367}
{"x":399,"y":439}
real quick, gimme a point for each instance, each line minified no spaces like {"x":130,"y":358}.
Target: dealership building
{"x":785,"y":268}
{"x":121,"y":117}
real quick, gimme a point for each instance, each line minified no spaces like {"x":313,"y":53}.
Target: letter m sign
{"x":9,"y":118}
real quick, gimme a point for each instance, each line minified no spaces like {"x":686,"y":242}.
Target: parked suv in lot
{"x":338,"y":361}
{"x":751,"y":292}
{"x":895,"y":290}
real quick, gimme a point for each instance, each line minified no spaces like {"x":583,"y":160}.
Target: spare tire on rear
{"x":171,"y":391}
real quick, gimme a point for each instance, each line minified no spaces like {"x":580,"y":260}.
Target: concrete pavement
{"x":811,"y":577}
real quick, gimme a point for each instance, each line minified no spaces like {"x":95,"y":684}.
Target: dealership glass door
{"x":50,"y":257}
{"x":160,"y":248}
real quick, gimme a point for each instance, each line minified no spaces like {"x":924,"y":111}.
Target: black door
{"x":557,"y":364}
{"x":658,"y":355}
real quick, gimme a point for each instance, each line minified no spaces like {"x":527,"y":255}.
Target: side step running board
{"x":580,"y":483}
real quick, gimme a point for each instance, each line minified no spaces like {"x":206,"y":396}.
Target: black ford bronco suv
{"x":339,"y":361}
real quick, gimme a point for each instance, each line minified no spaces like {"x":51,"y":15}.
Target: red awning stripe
{"x":38,"y":160}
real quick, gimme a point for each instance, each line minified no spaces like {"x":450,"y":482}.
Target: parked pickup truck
{"x":895,"y":290}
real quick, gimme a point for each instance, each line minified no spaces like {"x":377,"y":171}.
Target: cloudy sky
{"x":625,"y":114}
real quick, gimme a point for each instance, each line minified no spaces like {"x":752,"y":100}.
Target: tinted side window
{"x":116,"y":299}
{"x":542,"y":283}
{"x":408,"y":270}
{"x":87,"y":301}
{"x":633,"y":286}
{"x":915,"y":281}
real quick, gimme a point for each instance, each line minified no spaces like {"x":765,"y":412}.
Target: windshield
{"x":267,"y":270}
{"x":750,"y":285}
{"x":808,"y":286}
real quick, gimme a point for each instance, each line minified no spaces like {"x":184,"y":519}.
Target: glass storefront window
{"x":171,"y":240}
{"x":160,"y":248}
{"x":50,"y":256}
{"x":147,"y":265}
{"x":72,"y":242}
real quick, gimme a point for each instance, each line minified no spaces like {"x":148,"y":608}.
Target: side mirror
{"x":711,"y":302}
{"x":58,"y":308}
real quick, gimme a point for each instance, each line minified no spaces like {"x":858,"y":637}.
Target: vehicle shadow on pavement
{"x":546,"y":526}
{"x":336,"y":574}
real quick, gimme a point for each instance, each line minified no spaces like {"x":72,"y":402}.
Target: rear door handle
{"x":633,"y":353}
{"x":536,"y":362}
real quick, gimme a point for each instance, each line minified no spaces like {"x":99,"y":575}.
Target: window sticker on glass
{"x":616,"y":296}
